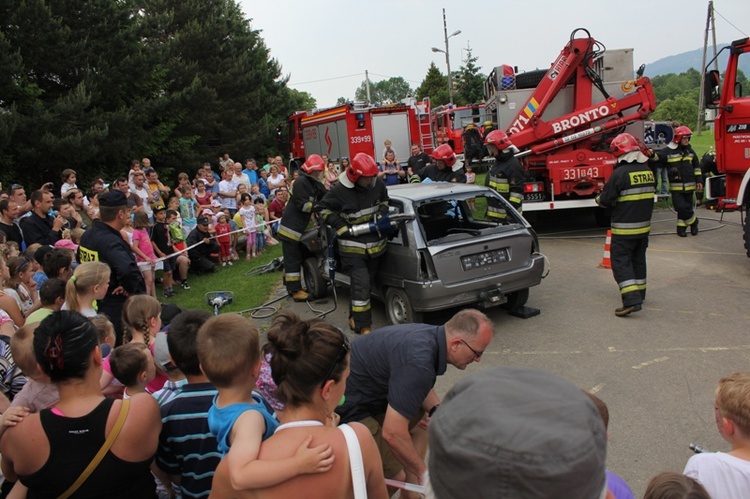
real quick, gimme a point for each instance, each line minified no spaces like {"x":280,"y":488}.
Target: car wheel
{"x":517,"y":299}
{"x":313,"y":279}
{"x":398,"y":307}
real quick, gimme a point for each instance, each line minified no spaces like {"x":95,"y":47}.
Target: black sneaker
{"x":169,"y":294}
{"x":185,"y":285}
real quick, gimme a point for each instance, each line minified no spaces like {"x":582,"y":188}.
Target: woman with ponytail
{"x":88,"y":283}
{"x":310,"y":363}
{"x":49,"y":451}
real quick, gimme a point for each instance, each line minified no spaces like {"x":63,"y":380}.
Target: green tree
{"x":434,"y":86}
{"x":681,"y":108}
{"x":82,"y":91}
{"x":341,"y":100}
{"x":391,"y":90}
{"x":470,"y":82}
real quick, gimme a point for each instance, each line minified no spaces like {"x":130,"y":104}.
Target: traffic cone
{"x":606,"y":263}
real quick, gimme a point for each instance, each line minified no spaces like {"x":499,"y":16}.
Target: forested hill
{"x":682,"y":62}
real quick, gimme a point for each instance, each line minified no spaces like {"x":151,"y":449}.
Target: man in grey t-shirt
{"x":390,"y":388}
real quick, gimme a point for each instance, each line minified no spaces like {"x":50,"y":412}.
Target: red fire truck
{"x":352,"y":128}
{"x":563,"y":119}
{"x":449,"y":123}
{"x":732,"y":135}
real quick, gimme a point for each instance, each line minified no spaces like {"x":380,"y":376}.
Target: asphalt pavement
{"x":656,"y":369}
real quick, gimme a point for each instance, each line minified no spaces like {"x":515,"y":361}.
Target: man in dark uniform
{"x":685,"y":177}
{"x":203,"y":257}
{"x":473,"y":148}
{"x":506,"y":175}
{"x":307,"y":190}
{"x":417,"y":161}
{"x":630,"y":194}
{"x":358,"y":198}
{"x":104,"y":243}
{"x":443,"y":168}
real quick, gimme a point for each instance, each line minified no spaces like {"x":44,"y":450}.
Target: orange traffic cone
{"x":606,"y":263}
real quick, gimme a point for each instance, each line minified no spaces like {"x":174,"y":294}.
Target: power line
{"x":386,"y":76}
{"x":729,"y":22}
{"x":324,"y":79}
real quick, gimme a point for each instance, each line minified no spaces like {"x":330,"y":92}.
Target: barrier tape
{"x":161,"y":259}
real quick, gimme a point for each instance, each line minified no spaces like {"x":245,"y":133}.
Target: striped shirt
{"x":186,"y":445}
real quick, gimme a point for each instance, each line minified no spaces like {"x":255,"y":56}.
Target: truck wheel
{"x":398,"y":307}
{"x":530,"y":79}
{"x":517,"y":299}
{"x":313,"y":279}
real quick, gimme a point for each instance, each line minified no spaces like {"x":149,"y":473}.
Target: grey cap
{"x":514,"y":432}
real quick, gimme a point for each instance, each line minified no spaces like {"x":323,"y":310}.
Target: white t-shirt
{"x":724,"y":476}
{"x":145,"y":198}
{"x":248,"y":218}
{"x":227,"y":186}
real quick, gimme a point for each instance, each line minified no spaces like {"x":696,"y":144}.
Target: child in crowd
{"x":263,"y":227}
{"x":183,"y":179}
{"x":133,"y":366}
{"x":175,"y":230}
{"x":127,"y":230}
{"x":51,"y":296}
{"x":162,"y":243}
{"x":229,"y":352}
{"x":164,"y":363}
{"x":38,"y":393}
{"x":241,"y":189}
{"x":13,"y":249}
{"x":255,"y":193}
{"x":106,"y":334}
{"x":471,"y":176}
{"x":75,"y":236}
{"x":202,"y":196}
{"x":90,"y":282}
{"x":92,"y":207}
{"x":69,"y":181}
{"x":263,"y":184}
{"x":672,"y":485}
{"x":727,"y":475}
{"x":260,"y":227}
{"x":144,"y":251}
{"x":188,"y":209}
{"x":21,"y":286}
{"x":247,"y":212}
{"x":57,"y":263}
{"x":224,"y":239}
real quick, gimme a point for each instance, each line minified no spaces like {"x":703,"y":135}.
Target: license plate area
{"x":485,"y":259}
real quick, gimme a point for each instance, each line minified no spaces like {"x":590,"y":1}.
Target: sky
{"x":325,"y":46}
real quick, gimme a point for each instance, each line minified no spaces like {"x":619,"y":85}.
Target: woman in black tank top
{"x":49,"y":451}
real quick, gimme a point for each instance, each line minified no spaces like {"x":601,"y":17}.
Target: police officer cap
{"x":113,"y":199}
{"x":202,"y":221}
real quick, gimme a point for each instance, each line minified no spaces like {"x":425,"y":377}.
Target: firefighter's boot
{"x":682,"y":231}
{"x":627,"y":310}
{"x":300,"y":295}
{"x":352,"y":326}
{"x":694,"y":228}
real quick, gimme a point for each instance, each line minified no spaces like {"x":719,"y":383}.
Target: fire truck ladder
{"x":425,"y":126}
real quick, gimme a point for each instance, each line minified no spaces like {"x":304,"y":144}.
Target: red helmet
{"x":680,"y":132}
{"x":445,"y":153}
{"x":623,"y":144}
{"x":498,"y":138}
{"x":313,"y":164}
{"x":362,"y":166}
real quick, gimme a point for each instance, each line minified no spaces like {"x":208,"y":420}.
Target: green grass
{"x":702,"y":143}
{"x":249,"y":291}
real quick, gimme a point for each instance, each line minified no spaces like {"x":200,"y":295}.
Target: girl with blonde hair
{"x":88,"y":283}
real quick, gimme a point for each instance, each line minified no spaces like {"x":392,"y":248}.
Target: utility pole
{"x":710,"y":25}
{"x":367,"y":86}
{"x":447,"y":55}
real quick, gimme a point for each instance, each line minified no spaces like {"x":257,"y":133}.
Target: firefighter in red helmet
{"x":446,"y":167}
{"x":629,"y":192}
{"x":685,"y":177}
{"x":358,"y":198}
{"x":506,"y":175}
{"x":307,"y":190}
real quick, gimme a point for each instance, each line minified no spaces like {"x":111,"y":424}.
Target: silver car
{"x":447,"y":252}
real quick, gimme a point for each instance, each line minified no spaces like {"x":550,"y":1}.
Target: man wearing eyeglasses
{"x":390,"y":388}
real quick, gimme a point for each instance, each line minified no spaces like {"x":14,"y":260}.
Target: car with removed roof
{"x":445,"y":251}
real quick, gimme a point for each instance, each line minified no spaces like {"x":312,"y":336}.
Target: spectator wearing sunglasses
{"x":391,"y":385}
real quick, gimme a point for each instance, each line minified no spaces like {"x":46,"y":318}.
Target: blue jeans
{"x":663,"y":184}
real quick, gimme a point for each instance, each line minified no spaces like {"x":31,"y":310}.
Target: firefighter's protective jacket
{"x":505,"y":177}
{"x":630,"y":194}
{"x":683,"y":168}
{"x":344,"y":206}
{"x":304,"y":195}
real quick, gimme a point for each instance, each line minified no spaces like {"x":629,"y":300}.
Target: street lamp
{"x":447,"y":55}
